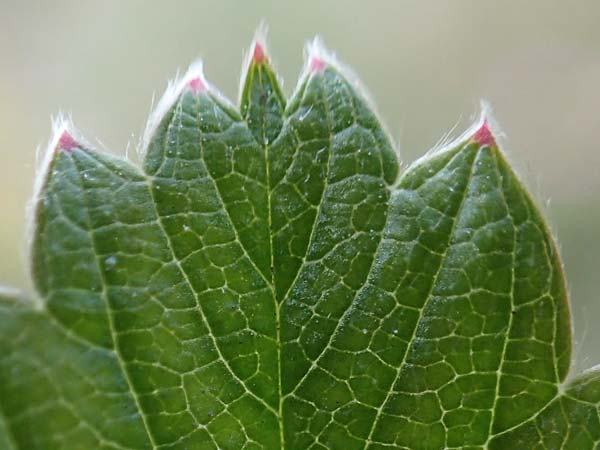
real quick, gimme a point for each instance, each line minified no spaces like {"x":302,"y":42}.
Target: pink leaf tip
{"x":197,"y":85}
{"x":483,"y":136}
{"x":317,"y":64}
{"x":259,"y":55}
{"x":66,"y":142}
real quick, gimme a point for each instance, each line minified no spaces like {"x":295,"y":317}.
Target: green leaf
{"x":268,"y":281}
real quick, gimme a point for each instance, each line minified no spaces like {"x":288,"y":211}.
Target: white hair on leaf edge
{"x":175,"y":88}
{"x":315,"y":50}
{"x":60,"y":124}
{"x":447,"y":142}
{"x":193,"y":79}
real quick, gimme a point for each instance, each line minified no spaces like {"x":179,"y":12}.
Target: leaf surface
{"x":267,"y":280}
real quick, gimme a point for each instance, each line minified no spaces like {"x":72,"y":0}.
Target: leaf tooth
{"x":485,"y":131}
{"x":67,"y":143}
{"x":197,"y":85}
{"x":259,"y":54}
{"x":258,"y":50}
{"x":317,"y":65}
{"x":65,"y":137}
{"x":62,"y":140}
{"x":192,"y":80}
{"x":318,"y":57}
{"x":483,"y":135}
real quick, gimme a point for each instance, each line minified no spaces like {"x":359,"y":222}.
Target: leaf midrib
{"x":277,"y":305}
{"x":266,"y":146}
{"x":500,"y":370}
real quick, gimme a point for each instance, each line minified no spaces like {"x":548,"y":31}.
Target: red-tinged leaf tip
{"x":483,"y":136}
{"x":317,"y":65}
{"x":259,"y":55}
{"x":197,"y":85}
{"x":66,"y":142}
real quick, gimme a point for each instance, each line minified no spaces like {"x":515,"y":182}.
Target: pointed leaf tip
{"x":197,"y":85}
{"x":259,"y":55}
{"x":317,"y":65}
{"x":66,"y":142}
{"x":483,"y":136}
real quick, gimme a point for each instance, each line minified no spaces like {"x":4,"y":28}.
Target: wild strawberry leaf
{"x":267,"y":281}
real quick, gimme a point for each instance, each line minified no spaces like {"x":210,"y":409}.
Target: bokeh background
{"x":426,"y":64}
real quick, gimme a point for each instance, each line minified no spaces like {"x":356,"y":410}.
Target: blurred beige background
{"x":427,"y":65}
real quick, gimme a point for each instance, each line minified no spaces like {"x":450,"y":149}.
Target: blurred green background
{"x":426,"y":64}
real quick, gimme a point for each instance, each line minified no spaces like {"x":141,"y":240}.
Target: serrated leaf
{"x":267,"y":281}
